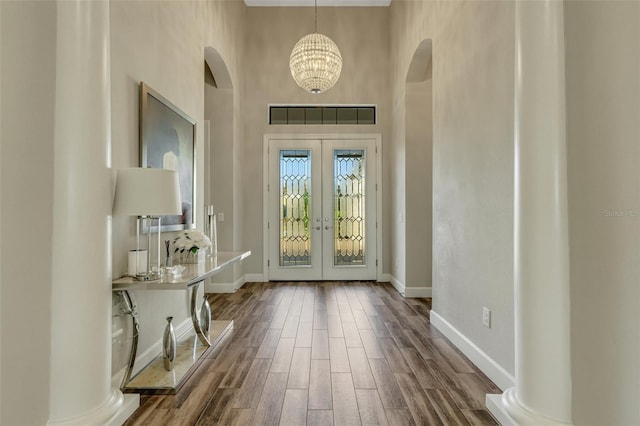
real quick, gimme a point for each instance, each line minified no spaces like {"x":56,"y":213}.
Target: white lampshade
{"x":147,"y":192}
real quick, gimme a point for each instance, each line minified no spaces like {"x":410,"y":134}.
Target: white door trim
{"x":265,"y":179}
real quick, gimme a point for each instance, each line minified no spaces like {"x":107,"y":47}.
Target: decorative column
{"x":80,"y":383}
{"x":542,"y":394}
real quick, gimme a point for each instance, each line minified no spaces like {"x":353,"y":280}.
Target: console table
{"x":191,"y":279}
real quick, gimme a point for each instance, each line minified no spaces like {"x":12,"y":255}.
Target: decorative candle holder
{"x":213,"y":231}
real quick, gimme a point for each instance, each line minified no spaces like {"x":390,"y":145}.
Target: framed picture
{"x":168,"y":141}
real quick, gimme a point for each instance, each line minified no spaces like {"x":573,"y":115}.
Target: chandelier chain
{"x":316,"y":17}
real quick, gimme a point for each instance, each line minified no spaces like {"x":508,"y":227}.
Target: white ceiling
{"x":320,"y":2}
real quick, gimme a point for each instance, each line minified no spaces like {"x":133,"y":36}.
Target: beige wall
{"x":411,"y":186}
{"x":163,"y":44}
{"x":26,"y":172}
{"x":362,"y":37}
{"x":219,"y":112}
{"x":418,"y":162}
{"x":473,"y":62}
{"x":603,"y":113}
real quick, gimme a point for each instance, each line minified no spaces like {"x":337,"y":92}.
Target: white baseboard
{"x":225,"y":287}
{"x":397,"y":284}
{"x":501,"y":377}
{"x":417,"y":291}
{"x":219,"y":288}
{"x":384,"y":278}
{"x":240,"y":282}
{"x":144,"y":358}
{"x":403,"y":289}
{"x":256,"y":278}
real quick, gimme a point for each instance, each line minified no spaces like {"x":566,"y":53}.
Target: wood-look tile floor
{"x":323,"y":353}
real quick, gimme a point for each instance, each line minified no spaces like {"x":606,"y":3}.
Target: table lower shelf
{"x":155,"y":379}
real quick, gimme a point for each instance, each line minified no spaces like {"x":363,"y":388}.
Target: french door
{"x":322,"y":209}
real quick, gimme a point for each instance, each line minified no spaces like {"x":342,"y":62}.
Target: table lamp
{"x":147,"y":193}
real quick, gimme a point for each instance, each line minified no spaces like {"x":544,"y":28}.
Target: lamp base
{"x":148,"y":276}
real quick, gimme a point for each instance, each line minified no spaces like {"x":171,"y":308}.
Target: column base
{"x":509,"y":411}
{"x":130,"y":405}
{"x":99,"y":416}
{"x":493,"y":402}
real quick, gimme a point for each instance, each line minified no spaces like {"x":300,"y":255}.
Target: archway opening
{"x":219,"y":152}
{"x":418,"y":172}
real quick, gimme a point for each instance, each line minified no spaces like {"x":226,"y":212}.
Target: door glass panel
{"x":295,"y":187}
{"x":349,"y":205}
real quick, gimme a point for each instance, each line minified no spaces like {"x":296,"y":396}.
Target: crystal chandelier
{"x":315,"y":61}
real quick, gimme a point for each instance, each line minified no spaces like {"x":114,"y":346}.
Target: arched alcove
{"x":418,"y":171}
{"x":219,"y":150}
{"x":217,"y":68}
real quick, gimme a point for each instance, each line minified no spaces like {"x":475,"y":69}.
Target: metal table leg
{"x":201,"y":329}
{"x":131,"y":309}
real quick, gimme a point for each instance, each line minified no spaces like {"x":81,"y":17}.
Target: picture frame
{"x":168,"y":140}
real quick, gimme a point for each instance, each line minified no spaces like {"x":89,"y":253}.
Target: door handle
{"x":328,"y":227}
{"x":318,"y":227}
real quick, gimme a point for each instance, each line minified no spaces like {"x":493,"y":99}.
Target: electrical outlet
{"x":486,"y":317}
{"x":221,"y":217}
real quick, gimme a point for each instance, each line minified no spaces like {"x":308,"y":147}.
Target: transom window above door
{"x":322,"y":114}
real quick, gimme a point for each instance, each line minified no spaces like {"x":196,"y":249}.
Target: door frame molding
{"x":268,"y":137}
